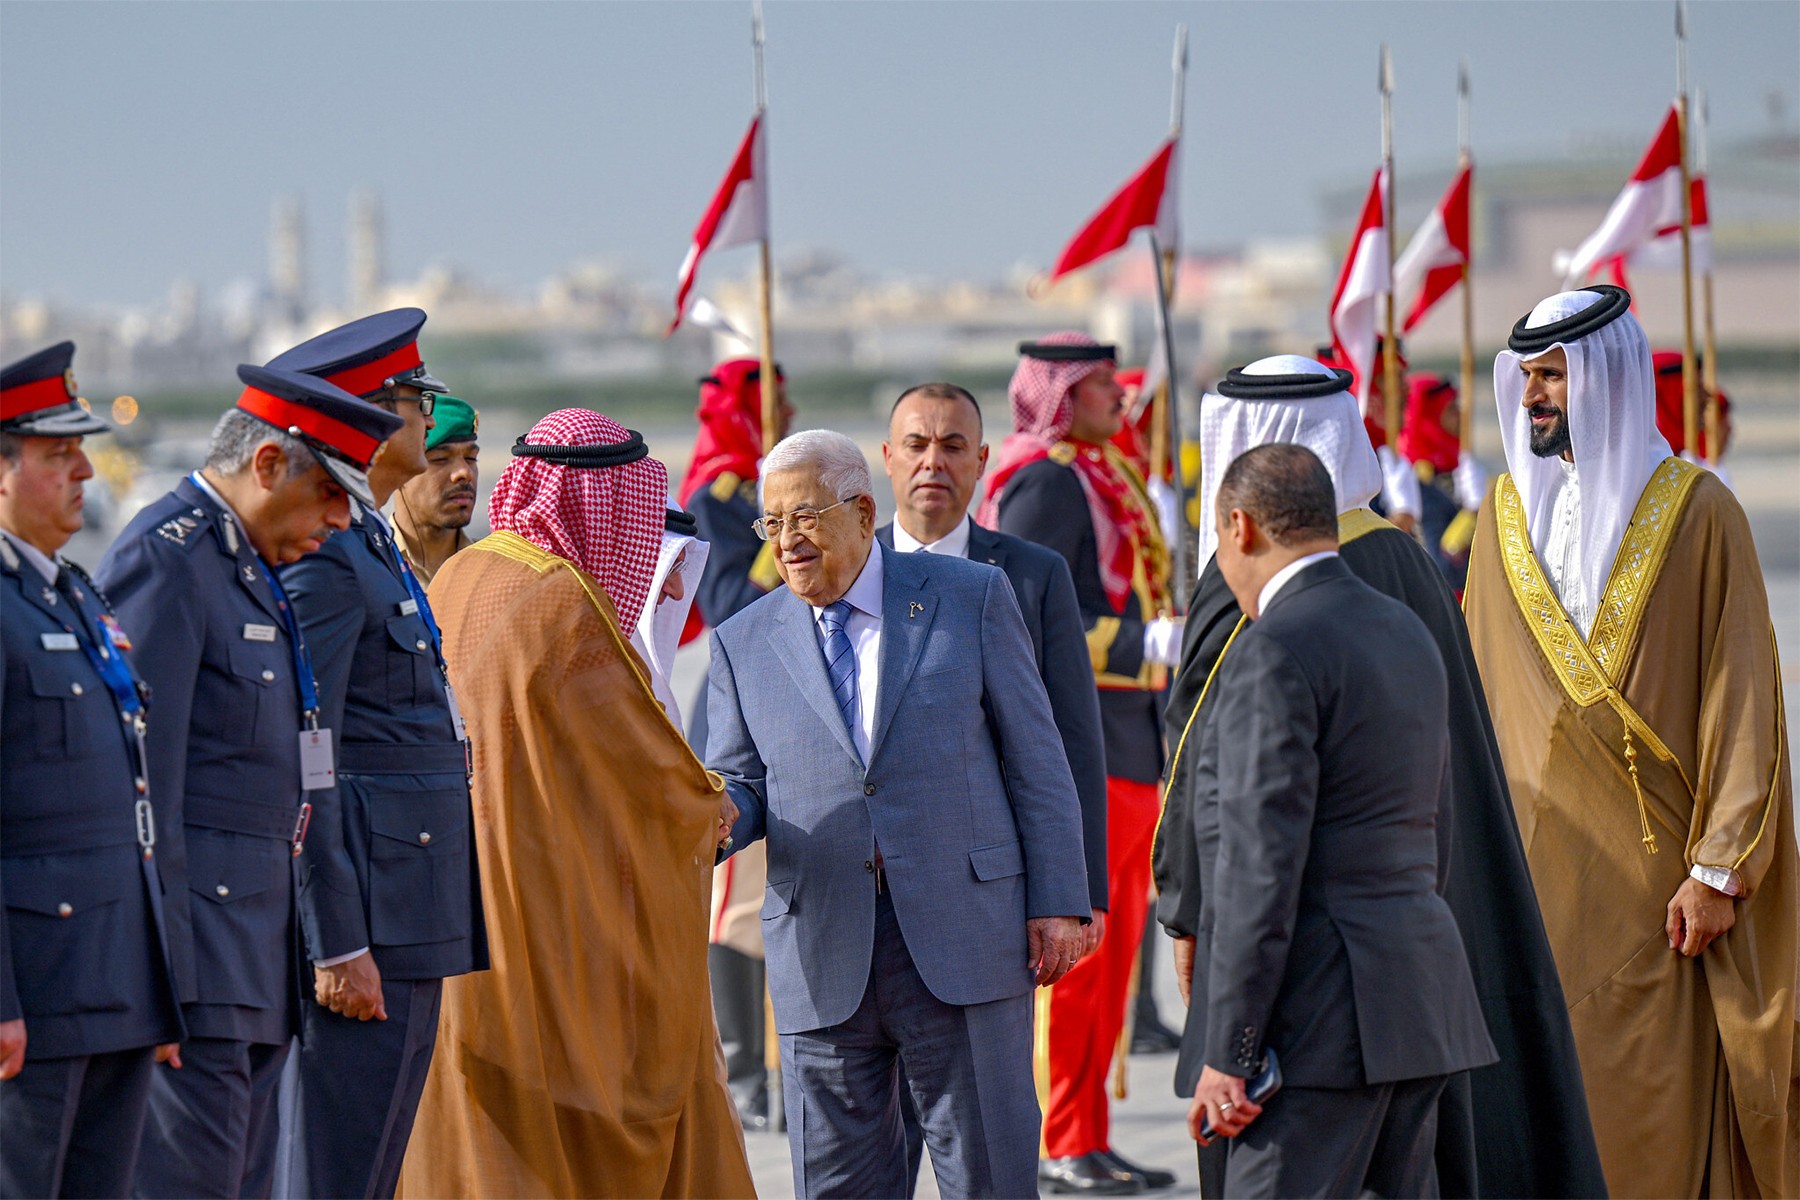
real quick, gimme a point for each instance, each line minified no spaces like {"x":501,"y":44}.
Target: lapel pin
{"x":249,"y":573}
{"x":914,"y":608}
{"x":50,"y":597}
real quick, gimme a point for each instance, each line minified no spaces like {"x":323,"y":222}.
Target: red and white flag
{"x":1434,"y":260}
{"x":739,"y":212}
{"x":1364,"y":280}
{"x":1148,"y":198}
{"x":1663,"y":252}
{"x":1649,"y":205}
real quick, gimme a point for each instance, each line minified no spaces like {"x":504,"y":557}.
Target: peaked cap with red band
{"x":37,"y":397}
{"x":342,"y":431}
{"x":369,"y":355}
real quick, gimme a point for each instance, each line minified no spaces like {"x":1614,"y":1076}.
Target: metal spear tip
{"x":1386,"y":81}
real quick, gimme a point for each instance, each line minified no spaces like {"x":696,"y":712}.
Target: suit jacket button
{"x":223,"y":891}
{"x":868,"y":789}
{"x":869,"y":865}
{"x":268,"y":676}
{"x":64,"y":909}
{"x":75,"y":689}
{"x":424,"y":838}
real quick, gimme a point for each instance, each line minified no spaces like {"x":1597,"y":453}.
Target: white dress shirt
{"x":42,"y":562}
{"x":1562,"y":548}
{"x":1279,"y":580}
{"x":955,"y":543}
{"x":863,"y":628}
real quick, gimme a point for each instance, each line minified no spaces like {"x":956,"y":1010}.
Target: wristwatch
{"x":1720,"y":879}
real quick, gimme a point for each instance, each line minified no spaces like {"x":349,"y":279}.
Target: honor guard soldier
{"x":1063,"y":484}
{"x":392,"y":901}
{"x":87,"y":1002}
{"x":432,"y":511}
{"x":240,"y":762}
{"x":720,"y":490}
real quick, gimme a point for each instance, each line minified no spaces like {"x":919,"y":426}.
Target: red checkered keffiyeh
{"x":1043,"y":406}
{"x":608,"y":521}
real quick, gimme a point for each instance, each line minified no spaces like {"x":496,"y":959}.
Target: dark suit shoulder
{"x":169,"y":526}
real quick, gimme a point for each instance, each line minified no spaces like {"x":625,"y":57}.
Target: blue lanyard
{"x":108,"y":663}
{"x":303,"y":672}
{"x":413,"y":588}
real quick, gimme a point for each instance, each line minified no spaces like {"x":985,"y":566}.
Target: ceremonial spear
{"x":1165,"y":423}
{"x":765,"y":280}
{"x":1709,"y":357}
{"x":1690,"y":380}
{"x":1464,"y":159}
{"x":1390,"y":358}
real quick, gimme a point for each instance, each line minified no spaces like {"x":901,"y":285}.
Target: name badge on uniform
{"x":259,"y":633}
{"x":59,"y":641}
{"x":456,"y":720}
{"x":317,"y":769}
{"x":408,"y":607}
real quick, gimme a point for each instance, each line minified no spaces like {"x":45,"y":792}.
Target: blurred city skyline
{"x":146,"y":143}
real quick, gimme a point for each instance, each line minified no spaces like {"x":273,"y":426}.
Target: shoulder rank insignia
{"x":176,"y":529}
{"x":1062,"y":454}
{"x":725,"y":486}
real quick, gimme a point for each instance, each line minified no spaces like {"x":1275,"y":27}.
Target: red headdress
{"x":582,"y":487}
{"x":1423,"y":437}
{"x":1669,"y":402}
{"x":1043,"y":407}
{"x":731,"y":433}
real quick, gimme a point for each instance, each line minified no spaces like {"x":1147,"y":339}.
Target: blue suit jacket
{"x":224,"y":759}
{"x":1046,"y":594}
{"x":82,"y":953}
{"x":966,"y":790}
{"x":397,"y":873}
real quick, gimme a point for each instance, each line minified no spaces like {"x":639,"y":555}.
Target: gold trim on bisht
{"x":1583,"y":666}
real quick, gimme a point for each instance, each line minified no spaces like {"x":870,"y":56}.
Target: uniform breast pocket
{"x":419,"y":882}
{"x":256,"y":670}
{"x":59,"y":721}
{"x":66,"y":919}
{"x":408,"y":658}
{"x":241,"y":900}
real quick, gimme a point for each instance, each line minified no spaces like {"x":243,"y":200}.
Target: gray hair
{"x":840,"y":466}
{"x":238,"y":434}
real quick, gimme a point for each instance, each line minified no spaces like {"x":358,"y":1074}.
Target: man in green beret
{"x":432,"y":510}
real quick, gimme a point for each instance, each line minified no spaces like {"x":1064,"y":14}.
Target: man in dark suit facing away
{"x":1323,"y":845}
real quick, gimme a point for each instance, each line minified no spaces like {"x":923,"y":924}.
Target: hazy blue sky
{"x":143,"y":142}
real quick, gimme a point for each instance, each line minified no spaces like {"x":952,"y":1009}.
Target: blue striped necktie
{"x":840,"y":662}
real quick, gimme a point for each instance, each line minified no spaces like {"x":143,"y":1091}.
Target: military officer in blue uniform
{"x":240,"y":762}
{"x":87,"y":1002}
{"x":382,"y":936}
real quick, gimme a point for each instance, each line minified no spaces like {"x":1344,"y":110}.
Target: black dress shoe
{"x":1153,"y":1037}
{"x":1153,"y":1179}
{"x":1086,"y":1175}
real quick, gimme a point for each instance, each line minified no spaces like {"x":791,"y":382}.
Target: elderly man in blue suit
{"x":882,"y":722}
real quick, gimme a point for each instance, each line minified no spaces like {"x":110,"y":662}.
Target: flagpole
{"x":1390,"y":358}
{"x":1165,"y":426}
{"x":766,"y":273}
{"x":1690,"y":380}
{"x":1464,"y":156}
{"x":1709,"y":356}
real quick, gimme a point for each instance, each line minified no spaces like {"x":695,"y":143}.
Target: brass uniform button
{"x":223,"y":891}
{"x":268,"y":676}
{"x":64,"y":909}
{"x":424,"y":838}
{"x":75,"y":688}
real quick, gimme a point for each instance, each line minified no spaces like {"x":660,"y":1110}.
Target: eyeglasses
{"x":802,"y":521}
{"x":425,"y":400}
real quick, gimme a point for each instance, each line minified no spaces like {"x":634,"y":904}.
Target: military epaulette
{"x":730,"y":484}
{"x":178,"y":529}
{"x":1063,"y":453}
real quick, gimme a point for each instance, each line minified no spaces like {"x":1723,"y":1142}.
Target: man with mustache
{"x":1062,"y":484}
{"x":240,"y":762}
{"x":87,"y":1002}
{"x":1618,"y":615}
{"x":390,"y":898}
{"x":433,"y":509}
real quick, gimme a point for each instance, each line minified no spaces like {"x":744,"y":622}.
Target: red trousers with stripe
{"x":1080,"y":1019}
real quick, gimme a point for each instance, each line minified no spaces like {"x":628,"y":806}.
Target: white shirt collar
{"x":1279,"y":580}
{"x":200,"y":481}
{"x":955,"y":543}
{"x":865,"y":593}
{"x":45,"y":565}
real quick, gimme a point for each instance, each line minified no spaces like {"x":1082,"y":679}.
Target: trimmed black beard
{"x":1553,"y":439}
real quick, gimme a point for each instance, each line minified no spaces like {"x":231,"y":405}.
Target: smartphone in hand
{"x":1259,"y":1088}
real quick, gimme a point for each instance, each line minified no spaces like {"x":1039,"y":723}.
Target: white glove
{"x":1163,"y":497}
{"x":1162,"y":641}
{"x":1471,"y":482}
{"x":1399,"y":484}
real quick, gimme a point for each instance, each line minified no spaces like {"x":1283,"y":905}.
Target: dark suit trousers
{"x":978,"y":1107}
{"x":1367,"y":1141}
{"x":211,"y":1130}
{"x":70,"y":1126}
{"x":351,"y":1092}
